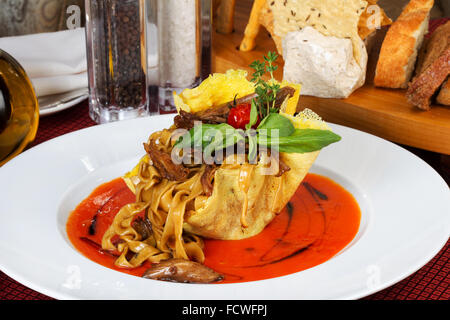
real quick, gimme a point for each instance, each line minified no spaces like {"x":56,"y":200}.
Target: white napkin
{"x":55,"y":61}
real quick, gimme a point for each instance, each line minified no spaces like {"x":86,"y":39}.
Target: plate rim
{"x":60,"y":295}
{"x":61,"y":107}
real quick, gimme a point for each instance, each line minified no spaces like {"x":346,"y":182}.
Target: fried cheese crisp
{"x":217,"y":89}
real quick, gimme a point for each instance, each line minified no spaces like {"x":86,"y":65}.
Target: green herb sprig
{"x":266,"y":90}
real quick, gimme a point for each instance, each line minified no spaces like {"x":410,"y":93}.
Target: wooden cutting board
{"x":382,"y":112}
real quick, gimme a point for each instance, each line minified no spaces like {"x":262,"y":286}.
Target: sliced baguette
{"x":400,"y":47}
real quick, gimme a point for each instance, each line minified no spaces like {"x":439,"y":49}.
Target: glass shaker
{"x":19,"y":109}
{"x":184,"y":47}
{"x":117,"y":59}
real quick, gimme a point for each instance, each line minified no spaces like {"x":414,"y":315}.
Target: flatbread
{"x":337,"y":18}
{"x":266,"y":20}
{"x":262,"y":15}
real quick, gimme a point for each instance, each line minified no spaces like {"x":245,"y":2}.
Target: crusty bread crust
{"x":436,"y":44}
{"x":424,"y":86}
{"x":433,"y":48}
{"x":444,"y":95}
{"x":400,"y":47}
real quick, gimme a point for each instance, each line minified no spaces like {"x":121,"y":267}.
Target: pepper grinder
{"x":117,"y":59}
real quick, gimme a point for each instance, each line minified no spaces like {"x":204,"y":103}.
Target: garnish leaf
{"x":270,"y":58}
{"x":301,"y":141}
{"x":275,"y":121}
{"x":212,"y":137}
{"x":266,"y":90}
{"x":259,"y":70}
{"x":253,"y":116}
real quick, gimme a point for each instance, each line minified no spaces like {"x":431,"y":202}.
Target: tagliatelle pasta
{"x":164,"y":203}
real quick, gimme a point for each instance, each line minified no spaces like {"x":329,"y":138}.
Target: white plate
{"x":405,"y":219}
{"x":52,"y":104}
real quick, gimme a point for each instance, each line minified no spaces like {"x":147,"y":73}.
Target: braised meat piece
{"x":282,"y":168}
{"x":185,"y":120}
{"x":285,"y":92}
{"x":143,"y":227}
{"x":180,"y":270}
{"x":163,"y":162}
{"x":207,"y":178}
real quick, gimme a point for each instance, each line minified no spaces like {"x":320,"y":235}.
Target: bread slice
{"x":435,"y":45}
{"x":433,"y":48}
{"x":399,"y":51}
{"x":444,"y":95}
{"x":424,"y":86}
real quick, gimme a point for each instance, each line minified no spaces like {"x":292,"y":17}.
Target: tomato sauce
{"x":93,"y":216}
{"x":318,"y":222}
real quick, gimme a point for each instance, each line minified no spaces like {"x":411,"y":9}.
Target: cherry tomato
{"x":239,"y":116}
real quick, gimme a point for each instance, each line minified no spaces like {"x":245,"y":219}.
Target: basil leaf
{"x":276,"y":121}
{"x":215,"y":131}
{"x":222,"y":136}
{"x":253,"y":116}
{"x":301,"y":141}
{"x":233,"y":137}
{"x":211,"y":137}
{"x":186,"y":140}
{"x":196,"y":137}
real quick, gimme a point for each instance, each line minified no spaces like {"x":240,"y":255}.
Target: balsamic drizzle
{"x":290,"y":209}
{"x":318,"y":196}
{"x":293,"y":254}
{"x":290,"y":212}
{"x":313,"y":191}
{"x":93,"y":225}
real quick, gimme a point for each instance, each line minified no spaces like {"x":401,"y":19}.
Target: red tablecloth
{"x":430,"y":282}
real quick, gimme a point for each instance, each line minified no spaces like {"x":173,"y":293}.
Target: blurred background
{"x":19,"y":17}
{"x":394,"y":7}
